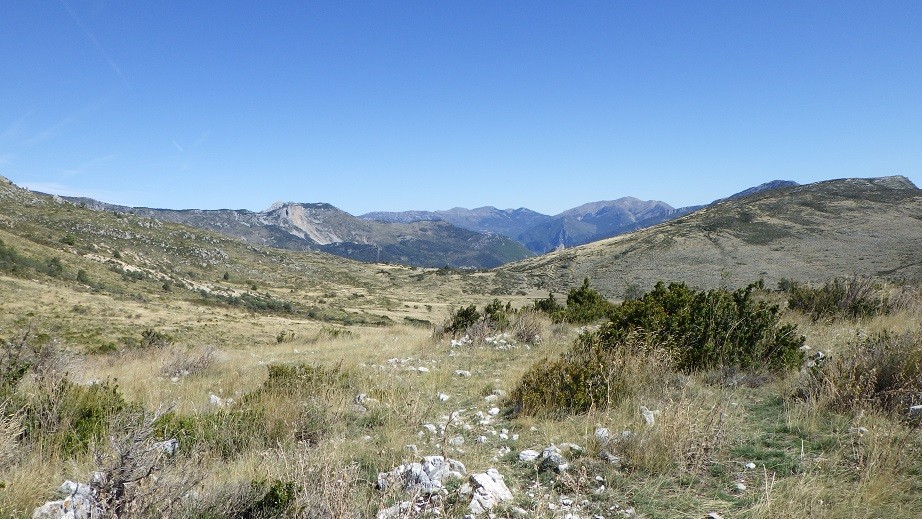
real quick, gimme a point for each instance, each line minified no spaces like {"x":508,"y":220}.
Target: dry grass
{"x":686,"y":464}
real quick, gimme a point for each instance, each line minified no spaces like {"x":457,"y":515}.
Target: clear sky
{"x":436,"y":104}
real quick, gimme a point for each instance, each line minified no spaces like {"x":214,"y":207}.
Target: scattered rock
{"x":79,"y":503}
{"x":529,"y":455}
{"x":551,"y":459}
{"x":217,"y":401}
{"x":167,"y":446}
{"x":422,"y":369}
{"x":915,"y":410}
{"x":443,"y":397}
{"x":572,"y":448}
{"x":425,"y":477}
{"x":750,"y":465}
{"x":740,"y":486}
{"x":648,"y":415}
{"x":462,"y":373}
{"x":457,"y":441}
{"x":606,"y":455}
{"x":493,"y":411}
{"x":488,"y":491}
{"x":603,"y":435}
{"x":401,"y":509}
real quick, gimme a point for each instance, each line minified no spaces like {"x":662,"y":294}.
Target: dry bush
{"x":333,"y":488}
{"x":184,"y":362}
{"x":11,"y":428}
{"x":881,"y":373}
{"x":529,"y":326}
{"x":904,"y":298}
{"x":689,"y":434}
{"x":137,"y":475}
{"x":591,"y":377}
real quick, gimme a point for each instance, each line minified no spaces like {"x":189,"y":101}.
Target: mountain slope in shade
{"x":323,"y":227}
{"x":591,"y":222}
{"x":807,"y":233}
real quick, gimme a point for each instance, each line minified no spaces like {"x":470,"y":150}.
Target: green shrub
{"x":498,"y":314}
{"x":462,"y":319}
{"x":224,"y":433}
{"x":584,"y":305}
{"x":705,"y":330}
{"x":549,"y":305}
{"x":882,"y":372}
{"x":69,"y":416}
{"x":671,"y":328}
{"x":301,"y":379}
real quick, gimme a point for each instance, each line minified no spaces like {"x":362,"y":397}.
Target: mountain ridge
{"x":811,"y":232}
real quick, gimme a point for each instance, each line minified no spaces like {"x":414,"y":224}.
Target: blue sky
{"x":432,"y":105}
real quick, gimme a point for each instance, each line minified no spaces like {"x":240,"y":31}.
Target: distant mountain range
{"x":814,"y":232}
{"x":485,"y":237}
{"x":587,"y":223}
{"x":322,"y":227}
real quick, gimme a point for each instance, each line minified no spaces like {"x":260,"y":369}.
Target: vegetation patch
{"x":880,"y":373}
{"x":670,"y":328}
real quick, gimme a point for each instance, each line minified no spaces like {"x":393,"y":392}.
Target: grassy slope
{"x":806,"y":233}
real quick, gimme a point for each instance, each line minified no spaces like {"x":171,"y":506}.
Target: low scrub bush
{"x":670,"y":328}
{"x":591,"y":376}
{"x":882,"y":372}
{"x":496,"y":317}
{"x":225,"y":433}
{"x":584,"y":305}
{"x":256,"y":499}
{"x":295,"y":403}
{"x":72,"y":417}
{"x":707,"y":330}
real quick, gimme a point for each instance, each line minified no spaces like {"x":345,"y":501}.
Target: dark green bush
{"x":584,"y":305}
{"x":705,"y":330}
{"x":498,"y":314}
{"x":462,"y":319}
{"x":550,"y":306}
